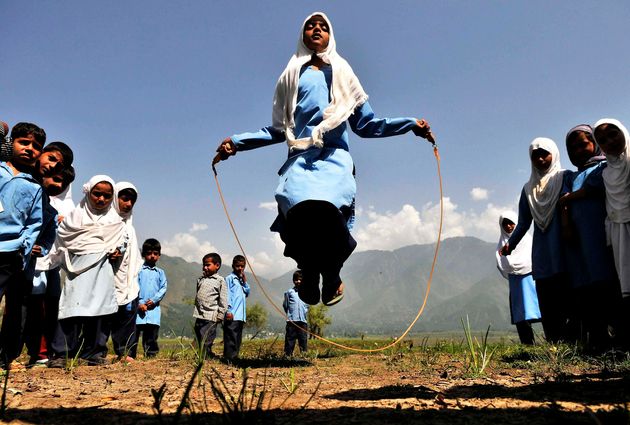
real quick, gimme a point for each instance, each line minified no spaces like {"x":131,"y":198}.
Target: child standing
{"x":612,"y":137}
{"x":236,"y":315}
{"x":210,"y":303}
{"x":85,"y":240}
{"x":517,"y":269}
{"x":315,"y":96}
{"x":20,"y":223}
{"x":127,"y":264}
{"x":296,"y":312}
{"x":153,"y":284}
{"x":538,"y":202}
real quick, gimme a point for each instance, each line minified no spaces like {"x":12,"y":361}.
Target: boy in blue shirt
{"x":238,"y":290}
{"x":20,"y":224}
{"x":296,"y":312}
{"x":152,"y":282}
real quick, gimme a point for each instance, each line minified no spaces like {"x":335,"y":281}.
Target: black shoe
{"x":308,"y":291}
{"x":58,"y":363}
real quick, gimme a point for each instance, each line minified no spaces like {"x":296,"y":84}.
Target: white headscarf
{"x":346,"y":92}
{"x":543,"y":188}
{"x":617,"y":178}
{"x":63,"y":202}
{"x":126,"y":277}
{"x":519,"y":262}
{"x":87,"y":230}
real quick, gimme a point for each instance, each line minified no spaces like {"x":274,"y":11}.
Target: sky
{"x":144,"y":91}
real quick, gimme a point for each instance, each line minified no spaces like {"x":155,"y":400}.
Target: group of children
{"x":108,"y":290}
{"x":578,"y":255}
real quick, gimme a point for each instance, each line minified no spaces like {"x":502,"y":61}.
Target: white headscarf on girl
{"x":126,"y":277}
{"x":617,"y":178}
{"x":519,"y":262}
{"x":87,"y":230}
{"x":63,"y":202}
{"x":345,"y":95}
{"x":543,"y":188}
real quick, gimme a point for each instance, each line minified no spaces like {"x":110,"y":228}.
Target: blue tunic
{"x":320,"y":174}
{"x":295,"y":309}
{"x":547,"y":248}
{"x":589,"y":259}
{"x":523,"y":298}
{"x":153,"y":284}
{"x":238,"y":291}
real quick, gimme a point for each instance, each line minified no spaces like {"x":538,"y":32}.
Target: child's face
{"x":126,"y":201}
{"x":508,"y":225}
{"x":610,"y":139}
{"x":101,"y":196}
{"x":580,"y":148}
{"x":53,"y":184}
{"x":316,"y":34}
{"x":541,"y":159}
{"x":238,"y":268}
{"x":297,"y":281}
{"x":49,"y":161}
{"x":151,"y":257}
{"x":26,"y":151}
{"x":210,"y":267}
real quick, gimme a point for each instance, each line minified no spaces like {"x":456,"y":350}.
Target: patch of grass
{"x":479,"y":353}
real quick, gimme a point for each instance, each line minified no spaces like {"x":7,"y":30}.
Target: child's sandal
{"x":332,"y":295}
{"x":309,"y":289}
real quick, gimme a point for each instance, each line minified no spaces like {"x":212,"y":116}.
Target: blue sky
{"x":145,"y":90}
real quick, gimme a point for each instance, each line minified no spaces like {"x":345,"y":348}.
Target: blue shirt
{"x":237,"y":292}
{"x":295,"y":309}
{"x":20,"y":212}
{"x":46,"y":238}
{"x":325,"y":174}
{"x":152,"y":282}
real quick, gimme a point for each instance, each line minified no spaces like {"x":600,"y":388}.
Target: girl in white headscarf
{"x":316,"y":96}
{"x":517,"y":269}
{"x":612,"y":137}
{"x":86,"y":239}
{"x":539,"y":199}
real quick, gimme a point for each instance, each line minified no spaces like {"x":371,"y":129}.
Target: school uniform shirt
{"x":295,"y":309}
{"x":153,"y":284}
{"x":238,"y":291}
{"x":211,"y":299}
{"x":21,"y":212}
{"x":46,"y":239}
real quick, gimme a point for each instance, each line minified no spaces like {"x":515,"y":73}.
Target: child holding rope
{"x":315,"y":96}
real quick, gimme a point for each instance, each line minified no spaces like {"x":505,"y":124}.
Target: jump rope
{"x":321,"y":338}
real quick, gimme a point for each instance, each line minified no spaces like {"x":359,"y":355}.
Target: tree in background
{"x":256,"y":318}
{"x":317,"y":319}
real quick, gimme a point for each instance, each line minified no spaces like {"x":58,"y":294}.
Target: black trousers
{"x":206,"y":333}
{"x":149,"y":334}
{"x":15,"y":288}
{"x":232,"y":338}
{"x":525,"y":332}
{"x":82,"y":336}
{"x":293,"y":333}
{"x":123,"y":328}
{"x":553,"y":303}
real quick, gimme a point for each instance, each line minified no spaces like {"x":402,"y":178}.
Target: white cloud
{"x":196,"y":227}
{"x":271,"y":206}
{"x":187,"y":246}
{"x":479,"y":194}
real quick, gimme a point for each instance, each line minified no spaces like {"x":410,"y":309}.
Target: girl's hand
{"x":36,"y":251}
{"x":423,"y":129}
{"x":505,"y":250}
{"x":225,"y":150}
{"x":116,"y":255}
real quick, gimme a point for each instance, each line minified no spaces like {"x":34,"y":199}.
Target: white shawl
{"x":346,"y":92}
{"x":543,"y":188}
{"x":63,"y":202}
{"x":126,"y":277}
{"x":519,"y":262}
{"x":87,"y":231}
{"x":617,"y":178}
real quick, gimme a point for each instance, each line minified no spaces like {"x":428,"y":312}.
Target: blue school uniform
{"x":325,"y":174}
{"x":238,"y":291}
{"x":45,"y":240}
{"x":294,"y":307}
{"x":153,"y":284}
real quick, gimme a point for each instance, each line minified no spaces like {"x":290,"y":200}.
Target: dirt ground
{"x":398,"y":387}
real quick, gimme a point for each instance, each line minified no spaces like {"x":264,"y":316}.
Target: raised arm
{"x":524,"y":222}
{"x":364,"y":124}
{"x":246,"y":141}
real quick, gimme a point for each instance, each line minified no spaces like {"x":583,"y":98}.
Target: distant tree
{"x":317,"y":319}
{"x":256,"y":318}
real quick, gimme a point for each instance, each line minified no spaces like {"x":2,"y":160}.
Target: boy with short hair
{"x":20,"y":224}
{"x":296,"y":311}
{"x":210,"y":303}
{"x":235,"y":318}
{"x":153,"y":284}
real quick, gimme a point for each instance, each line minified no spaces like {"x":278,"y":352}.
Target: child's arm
{"x":47,"y":237}
{"x":524,"y":222}
{"x":223,"y":301}
{"x":285,"y":303}
{"x":364,"y":124}
{"x":33,"y":225}
{"x":245,"y":141}
{"x":231,"y":288}
{"x":155,"y":300}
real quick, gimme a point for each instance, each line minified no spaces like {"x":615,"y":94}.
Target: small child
{"x":127,"y":265}
{"x":296,"y":311}
{"x":20,"y":224}
{"x":517,"y":269}
{"x":85,"y":240}
{"x":538,"y":202}
{"x":210,"y":303}
{"x":612,"y":137}
{"x":236,"y":315}
{"x":153,"y":284}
